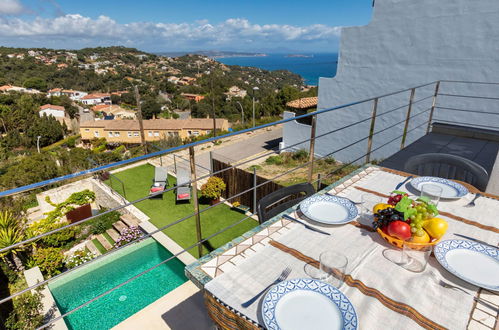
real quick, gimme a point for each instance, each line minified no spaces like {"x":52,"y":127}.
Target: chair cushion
{"x":182,"y":196}
{"x":156,"y":189}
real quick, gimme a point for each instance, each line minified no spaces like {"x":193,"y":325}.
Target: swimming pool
{"x":76,"y":288}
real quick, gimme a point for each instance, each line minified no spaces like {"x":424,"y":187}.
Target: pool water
{"x":78,"y":287}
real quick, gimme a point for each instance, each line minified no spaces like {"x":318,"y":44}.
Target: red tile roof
{"x":51,"y":106}
{"x":95,"y":96}
{"x":303,"y":103}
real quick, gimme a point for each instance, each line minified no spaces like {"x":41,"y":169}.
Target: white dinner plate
{"x":331,"y":210}
{"x":450,"y":189}
{"x":473,"y":262}
{"x":307,"y":304}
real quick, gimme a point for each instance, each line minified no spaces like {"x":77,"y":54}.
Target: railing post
{"x":211,"y":162}
{"x":196,"y":201}
{"x":319,"y":183}
{"x":409,"y":109}
{"x":312,"y":147}
{"x":254,"y":190}
{"x":371,"y":130}
{"x":433,"y":104}
{"x":175,"y":163}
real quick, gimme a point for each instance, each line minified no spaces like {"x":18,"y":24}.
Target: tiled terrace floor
{"x":483,"y":152}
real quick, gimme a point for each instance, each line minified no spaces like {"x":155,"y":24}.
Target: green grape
{"x":419,"y":232}
{"x":425,"y":215}
{"x":412,"y":224}
{"x":413,"y":230}
{"x":418,"y":226}
{"x":419,"y":217}
{"x":413,"y":217}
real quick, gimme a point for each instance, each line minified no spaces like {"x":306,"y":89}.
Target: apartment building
{"x":128,"y":131}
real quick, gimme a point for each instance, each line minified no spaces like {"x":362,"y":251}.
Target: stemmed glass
{"x":367,"y":203}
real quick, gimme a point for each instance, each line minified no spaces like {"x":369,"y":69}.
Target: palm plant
{"x":11,"y":232}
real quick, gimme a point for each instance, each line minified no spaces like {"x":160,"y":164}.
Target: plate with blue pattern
{"x":473,"y":262}
{"x":331,"y":210}
{"x":305,"y":303}
{"x":450,"y":189}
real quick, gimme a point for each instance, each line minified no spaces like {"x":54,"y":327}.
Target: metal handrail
{"x":312,"y":140}
{"x":193,"y":144}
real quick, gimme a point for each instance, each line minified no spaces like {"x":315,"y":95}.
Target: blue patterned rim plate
{"x":331,"y":210}
{"x":305,"y":303}
{"x":473,"y":262}
{"x":450,"y":189}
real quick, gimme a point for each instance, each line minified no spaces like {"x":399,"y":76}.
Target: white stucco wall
{"x":408,"y":43}
{"x":52,"y":112}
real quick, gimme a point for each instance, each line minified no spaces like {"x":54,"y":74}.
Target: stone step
{"x":105,"y":243}
{"x":119,"y":226}
{"x":91,"y":246}
{"x":113,"y":233}
{"x":129,"y":220}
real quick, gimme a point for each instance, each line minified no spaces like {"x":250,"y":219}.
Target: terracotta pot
{"x":214,"y":201}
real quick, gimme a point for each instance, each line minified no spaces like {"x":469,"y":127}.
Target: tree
{"x":38,"y":167}
{"x":150,"y":108}
{"x":35,"y":83}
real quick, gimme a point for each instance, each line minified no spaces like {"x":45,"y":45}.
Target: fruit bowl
{"x":400,"y":243}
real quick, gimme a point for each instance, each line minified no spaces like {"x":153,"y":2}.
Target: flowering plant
{"x":79,"y":257}
{"x":236,"y":204}
{"x":128,"y":235}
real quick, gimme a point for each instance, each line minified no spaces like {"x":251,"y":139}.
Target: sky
{"x":181,"y":25}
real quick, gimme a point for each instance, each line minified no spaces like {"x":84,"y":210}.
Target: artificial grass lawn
{"x":99,"y":246}
{"x":109,"y":238}
{"x":164,"y":211}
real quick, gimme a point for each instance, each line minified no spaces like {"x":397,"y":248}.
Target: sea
{"x":309,"y":66}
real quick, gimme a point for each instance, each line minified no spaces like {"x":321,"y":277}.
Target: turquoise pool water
{"x":76,"y":288}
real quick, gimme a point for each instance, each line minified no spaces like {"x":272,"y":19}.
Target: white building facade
{"x":407,"y":43}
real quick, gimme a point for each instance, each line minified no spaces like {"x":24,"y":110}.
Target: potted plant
{"x":239,"y":207}
{"x":212,"y":190}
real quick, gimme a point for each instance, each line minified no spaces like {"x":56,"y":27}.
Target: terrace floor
{"x":481,"y":151}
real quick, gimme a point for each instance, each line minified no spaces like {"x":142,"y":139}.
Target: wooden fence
{"x":238,"y":180}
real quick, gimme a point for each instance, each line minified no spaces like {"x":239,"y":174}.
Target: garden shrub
{"x":102,"y":223}
{"x":27,"y":312}
{"x":274,"y":160}
{"x":50,"y":260}
{"x":57,"y":239}
{"x":79,"y":257}
{"x":301,"y":154}
{"x":213,"y":188}
{"x":128,"y":235}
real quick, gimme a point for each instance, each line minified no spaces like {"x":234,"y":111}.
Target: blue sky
{"x":181,"y":25}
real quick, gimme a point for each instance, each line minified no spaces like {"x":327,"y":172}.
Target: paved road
{"x":240,"y":150}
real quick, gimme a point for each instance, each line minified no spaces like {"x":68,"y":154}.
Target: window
{"x":208,"y":131}
{"x":156,"y":133}
{"x":116,"y":133}
{"x":149,"y":133}
{"x":195,"y":133}
{"x":96,"y":133}
{"x":110,"y":134}
{"x":135,"y":133}
{"x":129,"y":134}
{"x":189,"y":132}
{"x":87,"y":129}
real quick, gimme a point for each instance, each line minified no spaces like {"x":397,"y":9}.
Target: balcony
{"x":387,"y":130}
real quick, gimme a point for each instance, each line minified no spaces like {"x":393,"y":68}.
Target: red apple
{"x":400,"y":230}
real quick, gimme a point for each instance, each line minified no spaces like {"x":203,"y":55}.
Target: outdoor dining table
{"x":383,"y":294}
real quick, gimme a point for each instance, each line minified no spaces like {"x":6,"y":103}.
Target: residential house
{"x":52,"y":110}
{"x":114,"y":110}
{"x":192,"y":97}
{"x":54,"y":92}
{"x":235,"y":91}
{"x":173,"y":79}
{"x":74,"y":95}
{"x":128,"y":131}
{"x":184,"y":81}
{"x":96,"y":98}
{"x":10,"y":88}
